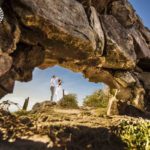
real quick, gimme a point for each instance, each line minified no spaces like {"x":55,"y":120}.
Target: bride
{"x":59,"y":90}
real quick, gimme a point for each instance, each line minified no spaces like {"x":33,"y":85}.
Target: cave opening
{"x":38,"y":89}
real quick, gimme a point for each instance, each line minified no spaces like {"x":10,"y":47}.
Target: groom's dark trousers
{"x":52,"y":88}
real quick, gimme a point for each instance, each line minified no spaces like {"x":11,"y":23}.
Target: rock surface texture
{"x":103,"y":39}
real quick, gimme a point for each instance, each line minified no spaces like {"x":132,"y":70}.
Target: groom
{"x":53,"y":84}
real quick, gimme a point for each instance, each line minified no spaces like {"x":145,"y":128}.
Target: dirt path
{"x":59,"y":129}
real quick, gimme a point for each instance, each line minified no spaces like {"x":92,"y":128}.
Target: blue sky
{"x":38,"y":88}
{"x":142,"y":8}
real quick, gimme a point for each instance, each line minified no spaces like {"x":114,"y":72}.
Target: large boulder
{"x":120,"y":49}
{"x":124,"y":13}
{"x":66,"y":21}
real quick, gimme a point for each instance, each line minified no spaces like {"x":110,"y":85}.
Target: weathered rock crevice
{"x":105,"y":40}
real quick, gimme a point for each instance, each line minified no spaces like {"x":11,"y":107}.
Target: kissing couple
{"x":56,"y":88}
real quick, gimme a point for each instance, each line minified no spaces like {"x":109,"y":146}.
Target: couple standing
{"x":56,"y":88}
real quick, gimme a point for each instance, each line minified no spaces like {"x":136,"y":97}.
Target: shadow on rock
{"x":23,"y":145}
{"x":71,"y":138}
{"x":83,"y":137}
{"x":135,"y":112}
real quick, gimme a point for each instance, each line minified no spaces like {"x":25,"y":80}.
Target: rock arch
{"x":105,"y":40}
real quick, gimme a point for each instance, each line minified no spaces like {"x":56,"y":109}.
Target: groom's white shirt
{"x":53,"y":82}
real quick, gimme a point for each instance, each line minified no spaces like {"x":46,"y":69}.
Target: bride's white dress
{"x":59,"y":93}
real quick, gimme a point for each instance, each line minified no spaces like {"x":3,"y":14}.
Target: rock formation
{"x":104,"y":39}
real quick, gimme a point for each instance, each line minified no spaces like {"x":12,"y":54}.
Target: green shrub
{"x":136,"y":134}
{"x":21,"y":113}
{"x":97,"y":99}
{"x":69,"y":101}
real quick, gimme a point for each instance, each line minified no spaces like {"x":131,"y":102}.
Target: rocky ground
{"x":48,"y":127}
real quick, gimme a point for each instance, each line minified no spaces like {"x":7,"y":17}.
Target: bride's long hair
{"x":59,"y":82}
